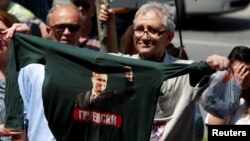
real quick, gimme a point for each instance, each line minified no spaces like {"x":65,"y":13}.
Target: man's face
{"x":87,"y":7}
{"x":99,"y":82}
{"x":65,"y":26}
{"x":152,"y":37}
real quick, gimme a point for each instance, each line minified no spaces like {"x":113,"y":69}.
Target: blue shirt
{"x":31,"y":92}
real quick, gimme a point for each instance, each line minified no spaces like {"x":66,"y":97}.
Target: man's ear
{"x":48,"y":32}
{"x":170,"y":36}
{"x":48,"y":29}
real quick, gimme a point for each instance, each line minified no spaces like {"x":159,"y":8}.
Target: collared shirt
{"x":31,"y":92}
{"x":93,"y":96}
{"x":178,"y":90}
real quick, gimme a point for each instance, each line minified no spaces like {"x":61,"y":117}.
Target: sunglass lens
{"x":62,"y":27}
{"x":73,"y":28}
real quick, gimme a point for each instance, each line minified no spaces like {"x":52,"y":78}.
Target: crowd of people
{"x":148,"y":37}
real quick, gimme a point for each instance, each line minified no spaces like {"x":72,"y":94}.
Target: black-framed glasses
{"x":85,"y":5}
{"x":61,"y":27}
{"x":151,"y":32}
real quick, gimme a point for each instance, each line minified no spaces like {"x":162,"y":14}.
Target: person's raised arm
{"x":216,"y":62}
{"x":16,"y":27}
{"x":107,"y":16}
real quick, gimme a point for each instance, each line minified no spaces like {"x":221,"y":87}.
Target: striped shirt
{"x":2,"y":108}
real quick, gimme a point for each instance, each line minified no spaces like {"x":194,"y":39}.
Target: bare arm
{"x":16,"y":27}
{"x":20,"y":137}
{"x":212,"y":120}
{"x":107,"y":16}
{"x":16,"y":135}
{"x":216,"y":62}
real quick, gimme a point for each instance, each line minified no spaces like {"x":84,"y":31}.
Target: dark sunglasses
{"x":81,"y":3}
{"x":62,"y":27}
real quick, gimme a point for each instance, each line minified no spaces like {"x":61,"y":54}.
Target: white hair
{"x":163,"y":8}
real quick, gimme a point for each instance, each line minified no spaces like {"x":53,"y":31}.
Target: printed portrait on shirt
{"x":101,"y":101}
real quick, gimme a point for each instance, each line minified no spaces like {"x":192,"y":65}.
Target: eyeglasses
{"x":83,"y":4}
{"x":61,"y":27}
{"x":151,"y":32}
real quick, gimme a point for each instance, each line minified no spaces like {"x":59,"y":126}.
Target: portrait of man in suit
{"x":101,"y":99}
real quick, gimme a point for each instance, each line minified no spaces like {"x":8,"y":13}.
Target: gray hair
{"x":61,"y":5}
{"x":163,"y":8}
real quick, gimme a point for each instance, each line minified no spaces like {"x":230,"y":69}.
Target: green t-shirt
{"x":68,"y":72}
